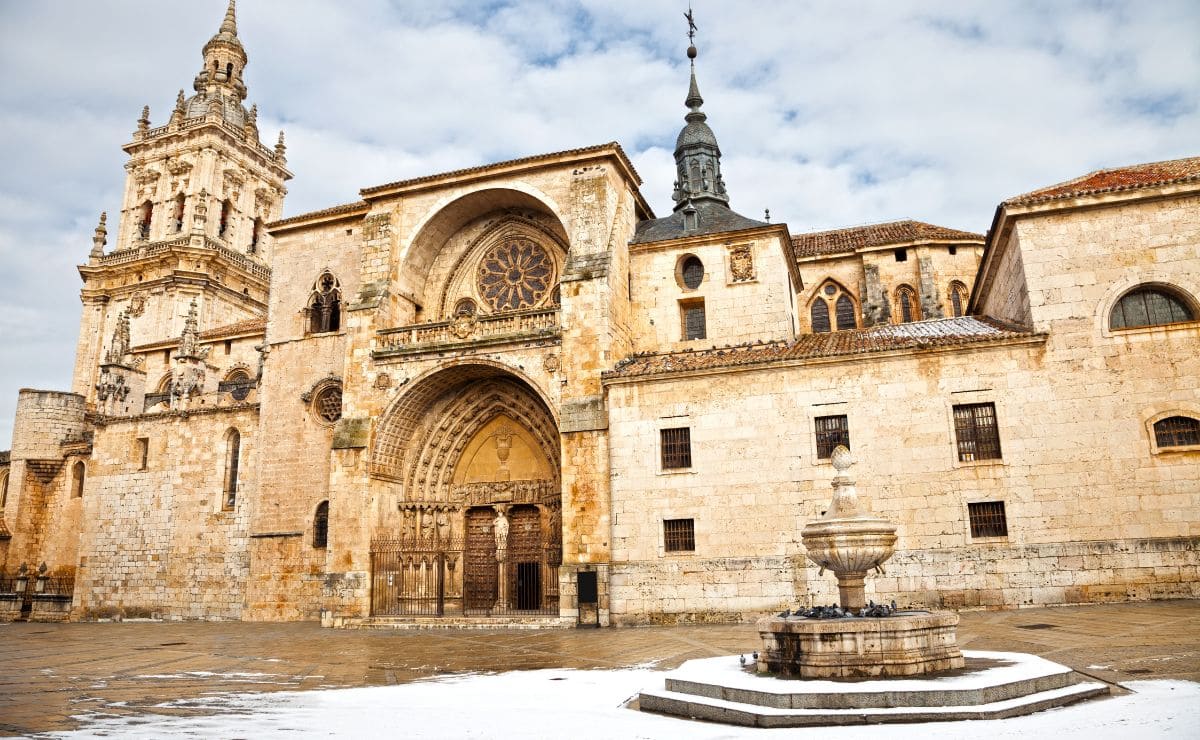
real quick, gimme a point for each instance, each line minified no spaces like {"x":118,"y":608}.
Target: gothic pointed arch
{"x":324,"y":306}
{"x":959,"y":297}
{"x":513,"y":264}
{"x":907,"y":307}
{"x":833,"y":308}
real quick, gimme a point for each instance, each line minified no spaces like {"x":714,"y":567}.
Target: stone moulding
{"x":907,"y":644}
{"x":439,"y":336}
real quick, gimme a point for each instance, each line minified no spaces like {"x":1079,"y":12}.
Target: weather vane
{"x":691,"y":25}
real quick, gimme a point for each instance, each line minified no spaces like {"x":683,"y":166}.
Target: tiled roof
{"x":712,"y":218}
{"x":508,"y":163}
{"x":1119,"y":178}
{"x":919,"y":335}
{"x":249,"y":326}
{"x":840,"y":241}
{"x":331,"y":211}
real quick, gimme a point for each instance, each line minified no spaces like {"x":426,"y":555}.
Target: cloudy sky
{"x":828,"y":113}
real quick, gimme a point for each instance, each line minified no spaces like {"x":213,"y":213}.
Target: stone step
{"x":751,"y":715}
{"x":502,"y":622}
{"x":987,"y":677}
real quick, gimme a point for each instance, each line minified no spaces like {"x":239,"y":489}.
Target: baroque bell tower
{"x":191,"y":237}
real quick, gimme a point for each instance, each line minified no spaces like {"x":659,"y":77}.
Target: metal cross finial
{"x":691,"y":25}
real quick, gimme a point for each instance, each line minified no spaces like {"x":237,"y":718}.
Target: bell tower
{"x":199,"y":190}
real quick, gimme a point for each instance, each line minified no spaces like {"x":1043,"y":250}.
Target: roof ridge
{"x":504,"y":163}
{"x":1108,"y":180}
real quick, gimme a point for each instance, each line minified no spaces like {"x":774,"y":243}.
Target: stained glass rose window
{"x":514,"y":274}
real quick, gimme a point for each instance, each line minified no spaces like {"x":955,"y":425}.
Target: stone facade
{"x":511,"y":392}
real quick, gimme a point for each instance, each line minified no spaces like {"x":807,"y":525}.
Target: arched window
{"x":237,"y":384}
{"x":233,"y":453}
{"x":465,"y":307}
{"x":325,"y":305}
{"x":820,"y":317}
{"x":3,"y":489}
{"x":1177,"y":431}
{"x":78,"y":470}
{"x":321,"y":526}
{"x":832,"y":300}
{"x":958,"y":298}
{"x":256,"y":236}
{"x":180,"y":201}
{"x":226,"y":213}
{"x":1150,"y":306}
{"x":906,"y":304}
{"x":147,"y":216}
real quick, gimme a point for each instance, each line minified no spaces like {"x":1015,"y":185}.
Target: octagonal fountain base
{"x":910,"y":643}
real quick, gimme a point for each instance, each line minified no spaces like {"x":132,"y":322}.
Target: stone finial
{"x":143,"y":123}
{"x":841,"y":459}
{"x":280,"y":149}
{"x":100,"y":237}
{"x":229,"y":24}
{"x":251,"y":127}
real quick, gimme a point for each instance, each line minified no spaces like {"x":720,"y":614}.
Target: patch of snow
{"x":591,"y":704}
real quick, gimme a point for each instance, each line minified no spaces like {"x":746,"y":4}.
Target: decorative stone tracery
{"x":514,"y":274}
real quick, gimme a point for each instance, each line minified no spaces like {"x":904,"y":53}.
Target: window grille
{"x":1177,"y":431}
{"x":676,"y":447}
{"x":987,"y":519}
{"x":328,"y":403}
{"x":976,"y":432}
{"x":693,"y":272}
{"x":907,"y":298}
{"x":831,"y":432}
{"x":820,"y":317}
{"x":693,"y":320}
{"x":1148,"y":307}
{"x":679,"y":535}
{"x":321,"y":526}
{"x":845,"y":313}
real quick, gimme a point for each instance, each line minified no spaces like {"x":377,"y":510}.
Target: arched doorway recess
{"x":472,"y":455}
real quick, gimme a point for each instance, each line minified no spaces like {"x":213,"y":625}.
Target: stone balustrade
{"x":469,"y":330}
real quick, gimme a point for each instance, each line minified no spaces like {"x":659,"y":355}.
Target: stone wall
{"x":159,"y":540}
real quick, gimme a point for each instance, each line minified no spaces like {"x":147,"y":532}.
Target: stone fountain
{"x":861,"y":663}
{"x":854,"y":640}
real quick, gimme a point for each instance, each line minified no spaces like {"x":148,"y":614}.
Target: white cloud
{"x":828,"y":113}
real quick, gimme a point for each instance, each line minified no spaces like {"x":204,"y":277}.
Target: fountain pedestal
{"x":851,"y":541}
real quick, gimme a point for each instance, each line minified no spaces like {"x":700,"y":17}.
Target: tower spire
{"x":229,"y":25}
{"x":697,"y":156}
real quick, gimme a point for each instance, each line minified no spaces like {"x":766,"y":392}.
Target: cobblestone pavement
{"x":50,"y":672}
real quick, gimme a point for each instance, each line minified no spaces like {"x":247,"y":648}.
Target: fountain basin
{"x":905,"y":644}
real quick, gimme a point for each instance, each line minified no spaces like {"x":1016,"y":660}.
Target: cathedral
{"x":514,"y":394}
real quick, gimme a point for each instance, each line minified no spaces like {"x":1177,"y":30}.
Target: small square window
{"x":976,"y":432}
{"x":953,"y":250}
{"x":901,"y":255}
{"x":679,"y":535}
{"x":691,"y":314}
{"x":987,"y":519}
{"x":831,"y":432}
{"x":676,"y":448}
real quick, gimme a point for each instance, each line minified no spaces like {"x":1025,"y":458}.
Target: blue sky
{"x":830,"y":114}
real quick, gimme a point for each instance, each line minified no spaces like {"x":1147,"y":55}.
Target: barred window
{"x":676,"y":447}
{"x":958,"y":297}
{"x":831,"y":432}
{"x":906,"y":298}
{"x":693,"y":272}
{"x":679,"y":535}
{"x":321,"y":526}
{"x":820,"y":317}
{"x":1177,"y":431}
{"x":1149,"y":307}
{"x":976,"y":432}
{"x":692,"y":314}
{"x":987,"y":519}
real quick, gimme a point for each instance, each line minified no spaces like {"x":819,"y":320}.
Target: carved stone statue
{"x":501,"y":528}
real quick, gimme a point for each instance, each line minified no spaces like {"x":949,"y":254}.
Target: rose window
{"x":328,"y":403}
{"x":515,"y":274}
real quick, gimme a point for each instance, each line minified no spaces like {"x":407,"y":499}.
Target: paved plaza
{"x":51,"y":672}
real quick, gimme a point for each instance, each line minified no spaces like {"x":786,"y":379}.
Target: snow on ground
{"x":590,"y":704}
